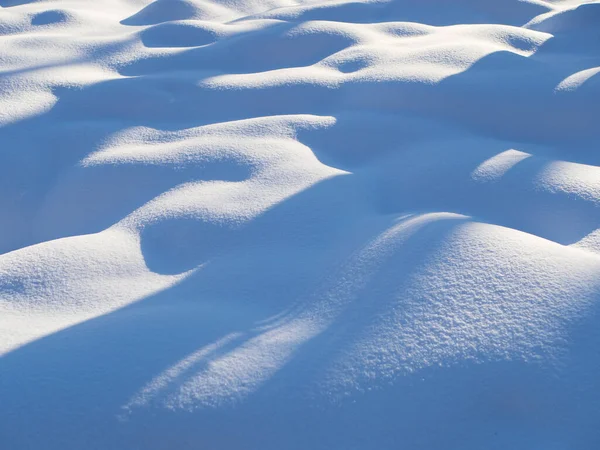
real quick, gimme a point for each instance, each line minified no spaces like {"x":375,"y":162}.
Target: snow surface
{"x":289,"y":224}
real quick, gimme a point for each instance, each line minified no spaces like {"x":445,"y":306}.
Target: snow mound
{"x":578,"y":19}
{"x":274,"y":224}
{"x":161,"y":11}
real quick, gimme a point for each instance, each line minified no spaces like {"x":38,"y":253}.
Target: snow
{"x":290,"y":224}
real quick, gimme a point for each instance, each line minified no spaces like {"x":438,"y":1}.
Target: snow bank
{"x":279,"y":224}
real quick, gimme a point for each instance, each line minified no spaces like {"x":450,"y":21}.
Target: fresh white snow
{"x":289,"y":224}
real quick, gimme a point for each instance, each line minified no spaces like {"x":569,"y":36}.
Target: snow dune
{"x":287,"y":224}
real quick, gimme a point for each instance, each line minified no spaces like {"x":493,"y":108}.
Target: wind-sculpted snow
{"x":286,"y":224}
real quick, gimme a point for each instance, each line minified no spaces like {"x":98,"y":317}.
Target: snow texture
{"x":299,"y":224}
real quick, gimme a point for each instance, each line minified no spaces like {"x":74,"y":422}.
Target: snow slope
{"x":288,"y":224}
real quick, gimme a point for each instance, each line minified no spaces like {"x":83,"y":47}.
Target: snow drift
{"x":292,"y":224}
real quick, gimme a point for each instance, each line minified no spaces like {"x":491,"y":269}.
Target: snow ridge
{"x":281,"y":224}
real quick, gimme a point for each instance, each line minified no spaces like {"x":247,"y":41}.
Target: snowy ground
{"x":288,"y":224}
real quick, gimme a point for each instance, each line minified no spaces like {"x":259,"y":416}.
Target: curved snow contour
{"x":275,"y":224}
